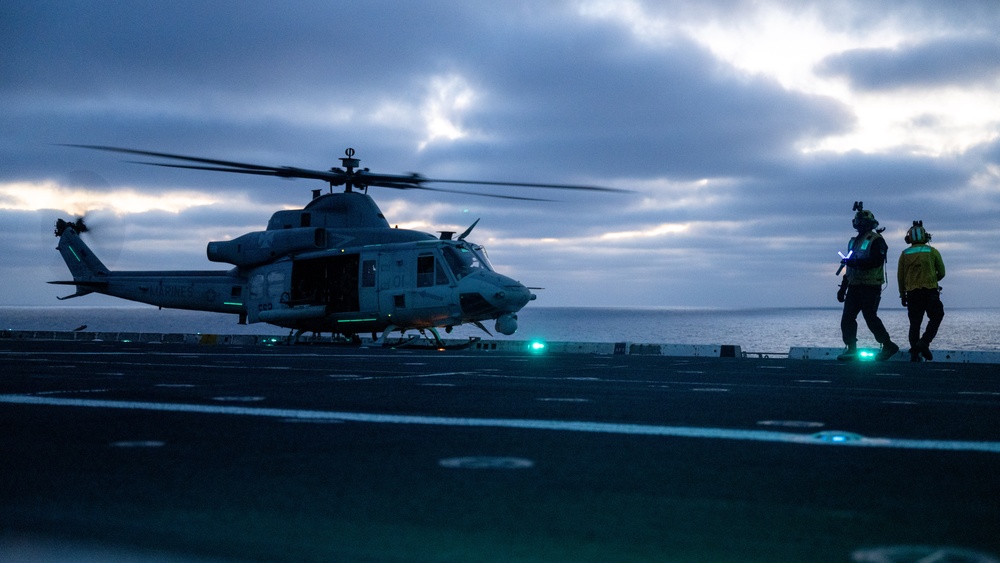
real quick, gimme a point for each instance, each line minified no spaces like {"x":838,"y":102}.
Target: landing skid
{"x":294,"y":338}
{"x":422,"y":342}
{"x":410,"y":344}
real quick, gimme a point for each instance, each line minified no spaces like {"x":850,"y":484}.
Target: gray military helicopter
{"x":334,"y":266}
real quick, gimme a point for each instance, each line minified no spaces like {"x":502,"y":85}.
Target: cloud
{"x":745,"y":129}
{"x":952,"y":62}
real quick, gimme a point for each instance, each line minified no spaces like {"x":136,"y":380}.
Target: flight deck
{"x":154,"y":451}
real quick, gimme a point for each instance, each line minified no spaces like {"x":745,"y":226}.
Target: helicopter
{"x":333,"y":266}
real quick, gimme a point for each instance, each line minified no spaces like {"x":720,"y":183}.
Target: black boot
{"x":889,"y":350}
{"x":850,"y":354}
{"x":924,"y":349}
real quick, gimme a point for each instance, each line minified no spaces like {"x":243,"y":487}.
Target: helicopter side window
{"x":430,"y":271}
{"x":440,"y":278}
{"x":368,"y":273}
{"x":275,"y":283}
{"x":257,"y":287}
{"x":425,"y":270}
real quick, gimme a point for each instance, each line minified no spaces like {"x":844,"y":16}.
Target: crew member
{"x":861,"y":289}
{"x":920,"y":269}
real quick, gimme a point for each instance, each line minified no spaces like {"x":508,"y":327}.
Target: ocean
{"x":770,"y":330}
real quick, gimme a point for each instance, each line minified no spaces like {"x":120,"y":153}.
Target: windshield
{"x":465,"y":259}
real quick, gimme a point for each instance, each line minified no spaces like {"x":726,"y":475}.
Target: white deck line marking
{"x":522,"y":424}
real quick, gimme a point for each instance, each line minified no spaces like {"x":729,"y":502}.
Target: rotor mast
{"x":349,"y":163}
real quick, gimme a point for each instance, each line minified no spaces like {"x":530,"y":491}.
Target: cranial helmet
{"x":917,"y":234}
{"x":864,"y":220}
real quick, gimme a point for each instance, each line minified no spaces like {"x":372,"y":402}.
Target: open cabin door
{"x":329,"y":281}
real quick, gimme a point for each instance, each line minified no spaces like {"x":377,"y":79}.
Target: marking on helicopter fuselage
{"x":520,"y":424}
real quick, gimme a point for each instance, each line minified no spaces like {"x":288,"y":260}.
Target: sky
{"x":744,"y":130}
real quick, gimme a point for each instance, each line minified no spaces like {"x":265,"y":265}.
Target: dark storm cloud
{"x":953,"y":62}
{"x":574,"y":101}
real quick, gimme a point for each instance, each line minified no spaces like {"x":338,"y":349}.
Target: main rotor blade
{"x":173,"y":156}
{"x":335,"y":176}
{"x":409,"y":186}
{"x":529,"y":185}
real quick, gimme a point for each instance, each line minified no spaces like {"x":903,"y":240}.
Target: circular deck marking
{"x":921,"y":554}
{"x":237,"y":399}
{"x":138,"y":444}
{"x":791,"y":423}
{"x":486,"y":463}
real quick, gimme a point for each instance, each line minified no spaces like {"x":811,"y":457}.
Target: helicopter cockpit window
{"x":465,"y":259}
{"x":484,"y":260}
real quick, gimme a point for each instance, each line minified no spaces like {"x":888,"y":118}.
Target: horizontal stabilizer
{"x":92,"y":284}
{"x":82,"y":287}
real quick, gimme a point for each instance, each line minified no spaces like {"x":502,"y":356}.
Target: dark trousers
{"x":918,"y":303}
{"x":863,"y":299}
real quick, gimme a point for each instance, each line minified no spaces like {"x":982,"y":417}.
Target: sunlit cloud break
{"x":24,"y":196}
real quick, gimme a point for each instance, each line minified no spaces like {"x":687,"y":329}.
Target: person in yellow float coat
{"x":920,"y":269}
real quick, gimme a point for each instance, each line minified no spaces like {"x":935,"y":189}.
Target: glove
{"x":902,"y":299}
{"x":842,"y":293}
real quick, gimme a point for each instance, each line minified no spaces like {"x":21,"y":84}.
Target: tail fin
{"x":89,"y":273}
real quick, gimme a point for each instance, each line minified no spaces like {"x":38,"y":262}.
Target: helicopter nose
{"x":489,"y":295}
{"x":512,"y":296}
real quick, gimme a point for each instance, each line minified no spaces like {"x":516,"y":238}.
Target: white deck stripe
{"x":557,"y":425}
